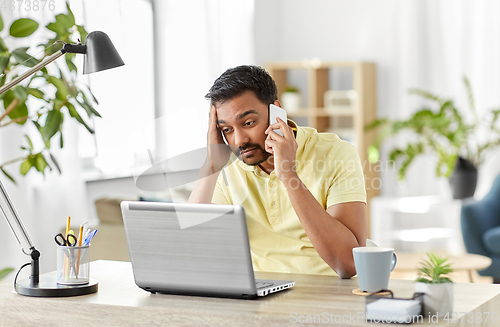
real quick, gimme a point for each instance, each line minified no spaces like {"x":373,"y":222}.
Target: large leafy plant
{"x":59,"y":94}
{"x":442,"y":130}
{"x":434,"y":270}
{"x":5,"y":272}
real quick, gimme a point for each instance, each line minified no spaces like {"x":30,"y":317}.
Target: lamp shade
{"x":101,"y":53}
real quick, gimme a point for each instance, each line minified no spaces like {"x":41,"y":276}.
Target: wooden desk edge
{"x":182,"y":310}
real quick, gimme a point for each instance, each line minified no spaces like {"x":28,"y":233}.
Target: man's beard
{"x":265,"y":155}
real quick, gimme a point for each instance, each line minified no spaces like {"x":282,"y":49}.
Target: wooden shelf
{"x":364,"y":84}
{"x":320,"y":112}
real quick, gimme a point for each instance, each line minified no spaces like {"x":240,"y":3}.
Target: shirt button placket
{"x":273,"y":198}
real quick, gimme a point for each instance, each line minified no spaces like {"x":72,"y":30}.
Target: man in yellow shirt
{"x":303,"y":192}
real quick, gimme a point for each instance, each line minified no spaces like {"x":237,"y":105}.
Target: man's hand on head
{"x":283,"y":148}
{"x":218,"y":150}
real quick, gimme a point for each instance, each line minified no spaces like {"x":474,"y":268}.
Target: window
{"x":125,"y":94}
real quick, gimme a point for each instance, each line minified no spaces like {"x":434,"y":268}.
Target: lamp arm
{"x":109,"y":59}
{"x":68,"y":48}
{"x":18,"y":221}
{"x":34,"y":253}
{"x":31,"y":71}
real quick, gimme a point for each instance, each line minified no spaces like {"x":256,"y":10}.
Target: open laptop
{"x":193,"y":249}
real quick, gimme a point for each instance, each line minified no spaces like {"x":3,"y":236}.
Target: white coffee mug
{"x":373,"y":267}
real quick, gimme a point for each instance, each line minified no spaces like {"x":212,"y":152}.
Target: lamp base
{"x":48,"y":287}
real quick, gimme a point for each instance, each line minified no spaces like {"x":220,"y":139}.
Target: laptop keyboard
{"x":262,"y":285}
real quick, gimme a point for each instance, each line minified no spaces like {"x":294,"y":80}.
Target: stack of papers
{"x":393,"y":310}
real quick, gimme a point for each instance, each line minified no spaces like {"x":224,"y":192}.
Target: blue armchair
{"x":481,"y":229}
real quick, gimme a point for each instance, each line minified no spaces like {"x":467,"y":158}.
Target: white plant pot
{"x":290,"y":101}
{"x":438,"y":298}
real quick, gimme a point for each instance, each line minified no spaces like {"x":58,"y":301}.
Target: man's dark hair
{"x":235,"y":81}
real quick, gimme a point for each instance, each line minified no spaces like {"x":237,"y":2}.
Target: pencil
{"x":80,"y":236}
{"x":67,"y":227}
{"x":66,"y":260}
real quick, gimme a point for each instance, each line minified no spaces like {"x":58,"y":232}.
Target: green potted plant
{"x":291,"y":99}
{"x":443,"y":131}
{"x":59,"y":96}
{"x":437,"y":286}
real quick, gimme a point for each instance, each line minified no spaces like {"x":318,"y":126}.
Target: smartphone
{"x":223,"y":137}
{"x":274,"y":112}
{"x":222,"y":133}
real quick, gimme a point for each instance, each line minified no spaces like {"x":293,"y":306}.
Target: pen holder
{"x":73,"y":265}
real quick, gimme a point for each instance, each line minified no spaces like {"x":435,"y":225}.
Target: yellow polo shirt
{"x":331,"y":170}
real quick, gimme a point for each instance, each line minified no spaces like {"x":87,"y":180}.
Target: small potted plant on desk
{"x":438,"y":288}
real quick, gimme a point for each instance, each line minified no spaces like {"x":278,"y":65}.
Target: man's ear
{"x":277,"y":103}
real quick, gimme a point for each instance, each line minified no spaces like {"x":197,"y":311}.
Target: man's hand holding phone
{"x":218,"y":150}
{"x":281,"y":143}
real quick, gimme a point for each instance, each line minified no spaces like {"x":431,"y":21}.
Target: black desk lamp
{"x":100,"y":54}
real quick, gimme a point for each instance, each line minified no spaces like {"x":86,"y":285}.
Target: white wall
{"x":331,"y":30}
{"x":402,"y":37}
{"x":415,"y":43}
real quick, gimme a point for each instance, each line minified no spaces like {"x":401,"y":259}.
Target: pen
{"x":85,"y":228}
{"x":87,"y":233}
{"x":89,"y":237}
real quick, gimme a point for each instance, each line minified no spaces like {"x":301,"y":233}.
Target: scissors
{"x":61,"y":241}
